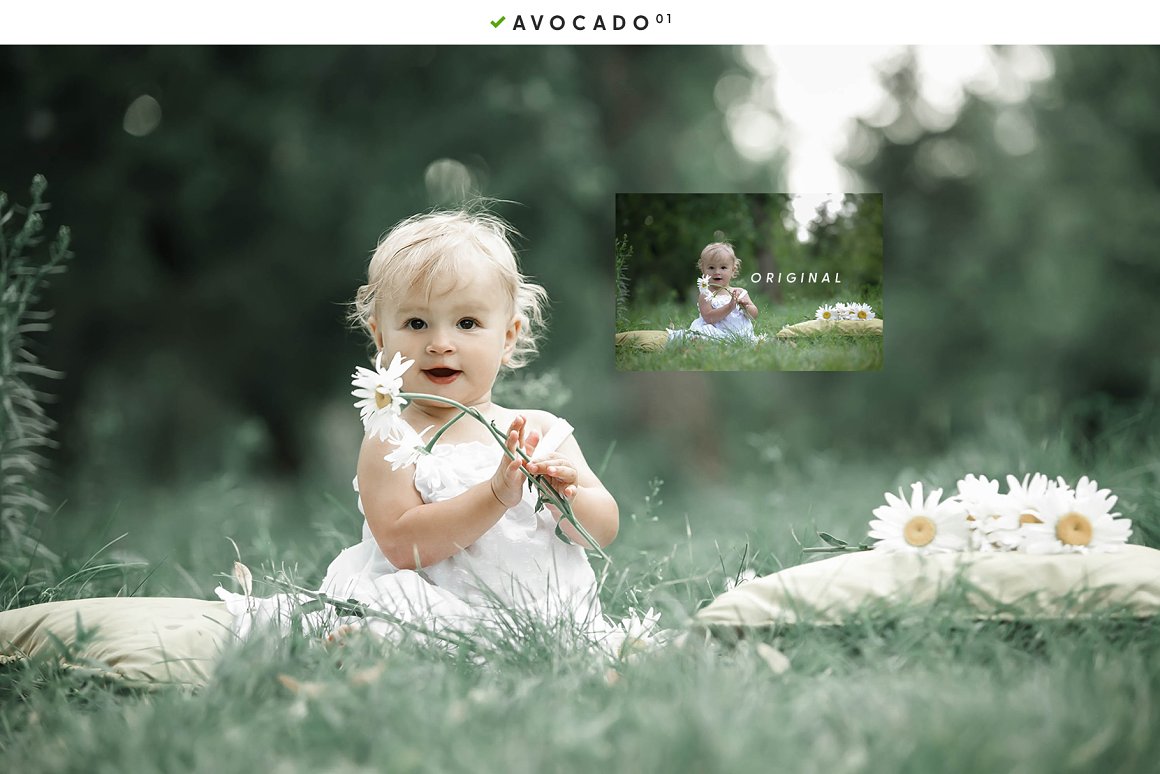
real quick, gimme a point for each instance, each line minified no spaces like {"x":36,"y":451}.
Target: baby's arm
{"x":711,"y":315}
{"x":413,"y":534}
{"x":594,"y":507}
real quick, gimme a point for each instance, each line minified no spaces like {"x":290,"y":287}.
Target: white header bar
{"x":643,"y":22}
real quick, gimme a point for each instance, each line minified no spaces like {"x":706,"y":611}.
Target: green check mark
{"x":498,"y":22}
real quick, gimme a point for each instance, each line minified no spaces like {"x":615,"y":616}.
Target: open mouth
{"x":441,"y":375}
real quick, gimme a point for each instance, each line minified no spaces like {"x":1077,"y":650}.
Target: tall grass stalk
{"x":25,"y":427}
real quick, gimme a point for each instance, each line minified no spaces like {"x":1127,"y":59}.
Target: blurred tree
{"x":768,"y":214}
{"x":1023,"y":236}
{"x":1036,"y":223}
{"x":848,"y":240}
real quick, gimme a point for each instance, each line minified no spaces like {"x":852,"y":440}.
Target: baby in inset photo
{"x":725,"y":312}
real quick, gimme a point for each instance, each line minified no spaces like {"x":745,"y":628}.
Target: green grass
{"x":818,"y":353}
{"x":902,"y":699}
{"x":886,"y":693}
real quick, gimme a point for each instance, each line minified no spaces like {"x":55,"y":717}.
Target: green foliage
{"x":26,"y":263}
{"x":890,"y":691}
{"x":668,"y":232}
{"x":849,"y":240}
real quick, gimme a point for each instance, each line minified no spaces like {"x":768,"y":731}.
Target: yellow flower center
{"x":919,"y":531}
{"x":1074,"y":529}
{"x":1029,"y":518}
{"x":381,"y":400}
{"x":861,"y":314}
{"x":825,"y":315}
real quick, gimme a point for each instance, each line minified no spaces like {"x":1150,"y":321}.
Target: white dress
{"x":518,"y":568}
{"x":736,"y":325}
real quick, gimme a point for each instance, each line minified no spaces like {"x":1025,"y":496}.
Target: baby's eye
{"x":415,"y":324}
{"x":468,"y":323}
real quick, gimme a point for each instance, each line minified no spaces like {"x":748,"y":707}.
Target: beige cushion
{"x":650,"y":341}
{"x":986,"y":585}
{"x":138,"y":640}
{"x":842,"y":327}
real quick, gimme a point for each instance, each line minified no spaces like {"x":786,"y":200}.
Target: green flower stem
{"x":546,"y":490}
{"x":836,"y":549}
{"x":439,"y":433}
{"x":356,"y":609}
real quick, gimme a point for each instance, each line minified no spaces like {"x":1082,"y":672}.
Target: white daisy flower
{"x":861,"y":312}
{"x":920,"y":526}
{"x":411,"y":444}
{"x":639,"y":630}
{"x":378,"y":391}
{"x":842,"y":311}
{"x":1077,"y":521}
{"x":1085,"y":488}
{"x":703,"y":284}
{"x":1028,"y":495}
{"x":981,"y":500}
{"x":825,"y":312}
{"x":992,"y":517}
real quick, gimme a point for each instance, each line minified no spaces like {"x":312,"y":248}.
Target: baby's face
{"x":459,"y":336}
{"x":718,"y":270}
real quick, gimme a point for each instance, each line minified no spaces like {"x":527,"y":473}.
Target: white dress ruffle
{"x":734,"y":326}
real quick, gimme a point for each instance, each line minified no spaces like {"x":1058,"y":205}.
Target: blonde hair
{"x":422,"y":250}
{"x":719,"y":250}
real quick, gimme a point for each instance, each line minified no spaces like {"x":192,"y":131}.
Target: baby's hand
{"x":507,"y":484}
{"x":559,"y":471}
{"x":741,"y":296}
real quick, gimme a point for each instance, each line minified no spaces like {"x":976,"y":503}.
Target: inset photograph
{"x":749,"y":282}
